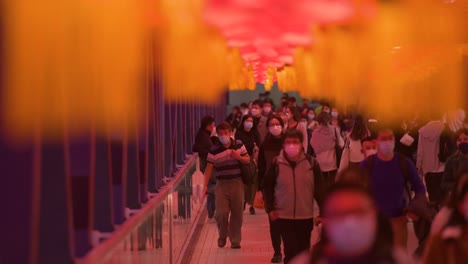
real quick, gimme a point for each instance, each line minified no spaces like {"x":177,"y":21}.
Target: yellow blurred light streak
{"x":72,"y":63}
{"x":82,"y":62}
{"x":358,"y":62}
{"x":195,"y":56}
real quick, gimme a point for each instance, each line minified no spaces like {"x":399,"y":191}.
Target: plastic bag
{"x":258,"y":201}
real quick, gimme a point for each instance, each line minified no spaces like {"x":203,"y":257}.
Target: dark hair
{"x":354,"y":175}
{"x":223,"y":126}
{"x":369,"y":138}
{"x":295,"y":112}
{"x":236,"y":108}
{"x":241,"y":125}
{"x":268,"y":101}
{"x":346,"y":186}
{"x":258,"y":102}
{"x":459,"y":132}
{"x":384,"y":127}
{"x":382,"y":249}
{"x":457,"y":219}
{"x":292,"y":99}
{"x":293,"y":133}
{"x":206,"y":121}
{"x":244,"y":105}
{"x":273,"y":116}
{"x":359,"y":130}
{"x":277,"y":117}
{"x":323,"y":118}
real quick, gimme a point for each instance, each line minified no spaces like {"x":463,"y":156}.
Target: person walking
{"x":268,"y":151}
{"x":291,"y":184}
{"x":227,"y":158}
{"x":389,"y":172}
{"x":325,"y":140}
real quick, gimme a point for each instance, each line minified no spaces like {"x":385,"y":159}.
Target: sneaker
{"x":277,"y":258}
{"x":221,"y":242}
{"x":252,"y":210}
{"x":235,"y":246}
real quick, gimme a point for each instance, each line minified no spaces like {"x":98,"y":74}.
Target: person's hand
{"x":318,"y":221}
{"x":236,"y":154}
{"x":420,"y":171}
{"x":412,"y":216}
{"x":273,"y":215}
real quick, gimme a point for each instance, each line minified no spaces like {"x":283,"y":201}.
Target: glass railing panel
{"x":160,"y":232}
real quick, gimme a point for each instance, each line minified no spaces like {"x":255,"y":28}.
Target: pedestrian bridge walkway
{"x":173,"y":228}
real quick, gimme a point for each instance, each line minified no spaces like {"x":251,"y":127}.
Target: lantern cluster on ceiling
{"x":86,"y":60}
{"x":267,"y":33}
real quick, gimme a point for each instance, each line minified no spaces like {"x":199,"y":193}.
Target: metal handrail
{"x":101,"y":252}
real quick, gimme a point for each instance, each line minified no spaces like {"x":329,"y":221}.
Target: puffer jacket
{"x":290,"y":188}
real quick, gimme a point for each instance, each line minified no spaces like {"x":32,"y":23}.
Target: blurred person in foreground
{"x":353,"y":231}
{"x":450,"y":245}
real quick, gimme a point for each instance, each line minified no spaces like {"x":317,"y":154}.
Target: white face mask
{"x":266,"y":109}
{"x":292,"y":150}
{"x":276,"y":130}
{"x":352,"y":235}
{"x":370,"y":152}
{"x":387,"y":147}
{"x":334,"y":114}
{"x":224,"y":139}
{"x":248,"y":125}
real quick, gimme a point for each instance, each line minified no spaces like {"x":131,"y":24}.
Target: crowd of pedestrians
{"x":369,"y":178}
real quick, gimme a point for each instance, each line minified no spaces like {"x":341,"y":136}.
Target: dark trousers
{"x":328,"y":179}
{"x":275,"y":235}
{"x":210,"y":205}
{"x":434,"y":187}
{"x":296,"y":236}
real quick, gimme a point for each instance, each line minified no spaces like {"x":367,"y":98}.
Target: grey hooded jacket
{"x":290,"y":188}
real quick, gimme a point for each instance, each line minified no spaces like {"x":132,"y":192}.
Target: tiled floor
{"x":256,"y":245}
